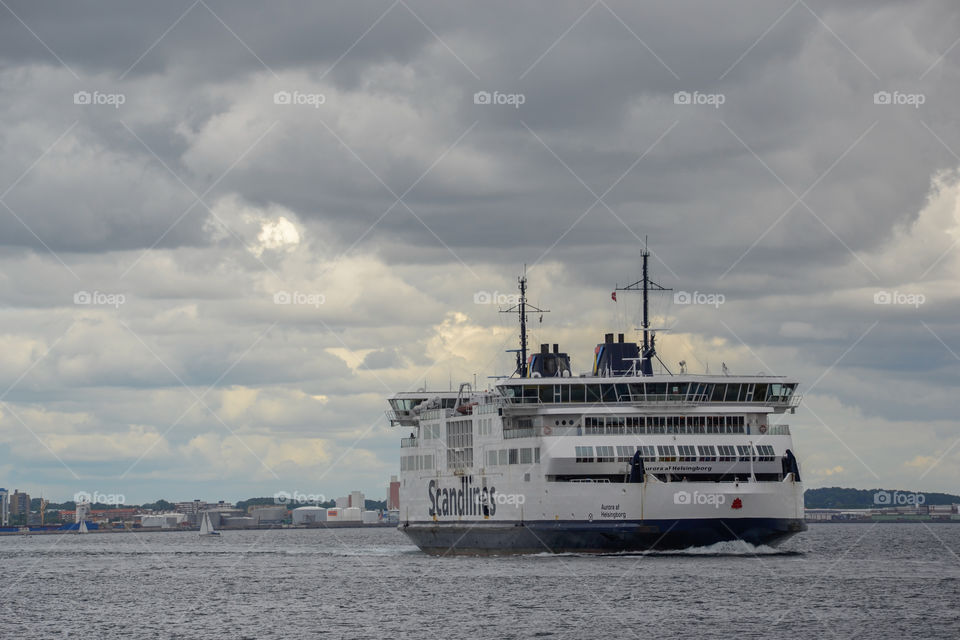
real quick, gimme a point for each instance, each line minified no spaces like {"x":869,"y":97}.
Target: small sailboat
{"x":206,"y":529}
{"x":83,"y":527}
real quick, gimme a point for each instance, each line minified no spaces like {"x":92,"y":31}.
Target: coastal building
{"x":162,"y":520}
{"x":343,"y":503}
{"x":82,"y":512}
{"x":393,"y":494}
{"x":4,"y":508}
{"x":19,"y":504}
{"x":357,"y":500}
{"x":199,"y":506}
{"x":268,"y":514}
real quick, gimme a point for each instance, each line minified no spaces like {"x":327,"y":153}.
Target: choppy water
{"x":858,"y":580}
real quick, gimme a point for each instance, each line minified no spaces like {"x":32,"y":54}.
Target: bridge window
{"x":718,"y":391}
{"x":605,"y":454}
{"x":577,"y":393}
{"x":593,"y":393}
{"x":760,"y":392}
{"x":584,"y":454}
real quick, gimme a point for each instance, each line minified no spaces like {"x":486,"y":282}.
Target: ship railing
{"x":408,"y":442}
{"x":660,"y":400}
{"x":522,"y":432}
{"x":689,"y":430}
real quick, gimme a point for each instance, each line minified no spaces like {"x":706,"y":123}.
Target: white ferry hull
{"x":607,"y":518}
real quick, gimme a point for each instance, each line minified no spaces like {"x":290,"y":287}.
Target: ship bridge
{"x":777,"y":392}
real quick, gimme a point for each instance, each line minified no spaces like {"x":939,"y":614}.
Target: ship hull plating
{"x":495,"y":538}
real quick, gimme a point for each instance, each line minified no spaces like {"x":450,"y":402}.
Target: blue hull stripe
{"x":595,"y":537}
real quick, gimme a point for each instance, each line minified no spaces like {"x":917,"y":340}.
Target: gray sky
{"x":185,"y":163}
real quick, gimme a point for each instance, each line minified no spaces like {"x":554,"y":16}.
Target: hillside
{"x":841,"y":498}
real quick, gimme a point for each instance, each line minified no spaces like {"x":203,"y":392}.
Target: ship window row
{"x":644,"y":425}
{"x":406,"y":405}
{"x":485,"y":426}
{"x":504,"y":457}
{"x":416,"y":463}
{"x":459,"y":444}
{"x":676,"y":453}
{"x":776,"y":393}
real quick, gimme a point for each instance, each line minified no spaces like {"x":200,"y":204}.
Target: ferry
{"x":619,"y":459}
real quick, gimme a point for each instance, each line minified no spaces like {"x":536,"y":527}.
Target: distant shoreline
{"x":332,"y":525}
{"x":898,"y":521}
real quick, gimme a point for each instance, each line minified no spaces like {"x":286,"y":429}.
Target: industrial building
{"x":19,"y":503}
{"x":267,"y":514}
{"x":162,"y":520}
{"x":4,"y":508}
{"x":393,"y":494}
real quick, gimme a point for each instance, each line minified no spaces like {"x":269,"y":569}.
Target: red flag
{"x":613,"y":296}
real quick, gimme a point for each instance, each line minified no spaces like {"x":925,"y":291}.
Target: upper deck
{"x":776,"y":392}
{"x":531,"y":395}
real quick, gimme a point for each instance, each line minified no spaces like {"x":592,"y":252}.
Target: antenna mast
{"x":649,"y":339}
{"x":521,"y":308}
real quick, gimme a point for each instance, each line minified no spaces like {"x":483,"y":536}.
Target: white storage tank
{"x":350,"y":514}
{"x":333,"y":515}
{"x":309,"y":515}
{"x":371,"y":517}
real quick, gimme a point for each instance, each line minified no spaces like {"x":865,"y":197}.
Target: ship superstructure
{"x":617,"y":459}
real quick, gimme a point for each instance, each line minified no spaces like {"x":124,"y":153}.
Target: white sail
{"x":206,"y":528}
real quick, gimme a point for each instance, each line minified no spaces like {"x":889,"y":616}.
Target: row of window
{"x":677,"y":453}
{"x":502,"y":457}
{"x":459,"y":444}
{"x":649,"y":392}
{"x":416,"y":463}
{"x":485,"y":426}
{"x":643,"y":425}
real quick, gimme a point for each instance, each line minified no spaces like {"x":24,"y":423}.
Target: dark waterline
{"x":877,"y":581}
